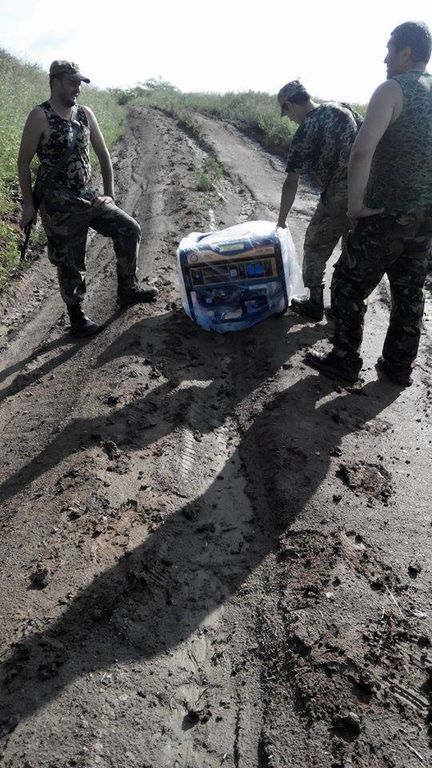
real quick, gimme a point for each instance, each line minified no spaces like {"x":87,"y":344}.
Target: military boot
{"x":312,"y":307}
{"x":400,"y":375}
{"x":80,"y":324}
{"x":331,"y":364}
{"x":129,"y":293}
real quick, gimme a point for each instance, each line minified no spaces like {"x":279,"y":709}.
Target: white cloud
{"x":336,"y":47}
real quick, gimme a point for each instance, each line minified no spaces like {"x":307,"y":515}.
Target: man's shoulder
{"x":387,"y":95}
{"x":387,"y":89}
{"x":327,"y":111}
{"x":87,"y":111}
{"x":37,"y":116}
{"x":336,"y":108}
{"x":40,"y":109}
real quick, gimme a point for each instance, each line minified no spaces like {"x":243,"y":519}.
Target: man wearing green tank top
{"x":390,"y":205}
{"x":60,"y":132}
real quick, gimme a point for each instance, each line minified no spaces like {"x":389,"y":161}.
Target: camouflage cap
{"x":289,"y":90}
{"x":60,"y":68}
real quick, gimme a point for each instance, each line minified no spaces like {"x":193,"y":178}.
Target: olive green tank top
{"x":401,"y":172}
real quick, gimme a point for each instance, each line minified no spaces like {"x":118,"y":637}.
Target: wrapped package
{"x":233,"y":278}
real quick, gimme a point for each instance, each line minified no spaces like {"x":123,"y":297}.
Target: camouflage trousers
{"x":66,"y":219}
{"x":397,"y":245}
{"x":328,"y":224}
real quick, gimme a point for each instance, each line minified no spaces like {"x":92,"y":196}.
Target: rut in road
{"x":174,"y":518}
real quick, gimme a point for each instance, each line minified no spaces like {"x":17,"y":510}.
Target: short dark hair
{"x":415,"y":35}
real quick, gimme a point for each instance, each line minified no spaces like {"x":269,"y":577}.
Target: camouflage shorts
{"x":397,"y":245}
{"x":328,"y":224}
{"x":66,"y":219}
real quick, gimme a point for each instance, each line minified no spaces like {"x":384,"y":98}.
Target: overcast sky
{"x":336,"y":47}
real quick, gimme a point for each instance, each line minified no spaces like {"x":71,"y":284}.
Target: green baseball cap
{"x":61,"y":68}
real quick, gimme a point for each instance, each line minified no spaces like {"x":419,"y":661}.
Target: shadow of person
{"x":179,"y":353}
{"x":159,"y":593}
{"x":176,"y":345}
{"x":21,"y":381}
{"x":69,"y":346}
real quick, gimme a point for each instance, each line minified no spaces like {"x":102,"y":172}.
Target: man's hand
{"x":363,"y":212}
{"x":101,"y":200}
{"x":28,"y":214}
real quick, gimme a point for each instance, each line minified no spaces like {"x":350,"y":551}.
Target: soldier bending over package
{"x":320,"y":150}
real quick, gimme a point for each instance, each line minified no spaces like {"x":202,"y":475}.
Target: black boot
{"x":333,"y":365}
{"x":130,"y":293}
{"x":312,"y":307}
{"x":400,"y":376}
{"x":80,"y":324}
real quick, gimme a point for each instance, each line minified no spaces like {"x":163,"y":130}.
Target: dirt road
{"x":211,"y":555}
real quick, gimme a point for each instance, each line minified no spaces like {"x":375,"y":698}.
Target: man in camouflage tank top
{"x":390,"y":204}
{"x":320,"y":150}
{"x":68,"y":206}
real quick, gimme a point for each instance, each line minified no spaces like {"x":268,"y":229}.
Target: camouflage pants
{"x":397,"y":245}
{"x":66,"y":219}
{"x":328,"y":224}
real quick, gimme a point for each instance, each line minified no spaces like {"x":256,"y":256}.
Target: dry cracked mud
{"x":210,"y":554}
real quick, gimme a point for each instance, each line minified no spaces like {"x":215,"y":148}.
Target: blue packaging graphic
{"x":233,"y":278}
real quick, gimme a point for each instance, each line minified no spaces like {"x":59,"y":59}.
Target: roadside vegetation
{"x":22,"y":86}
{"x":256,"y":114}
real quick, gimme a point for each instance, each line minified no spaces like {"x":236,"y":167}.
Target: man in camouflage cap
{"x":68,"y":205}
{"x":320,"y":150}
{"x":390,"y":203}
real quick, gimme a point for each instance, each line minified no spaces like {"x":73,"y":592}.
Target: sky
{"x":336,"y":47}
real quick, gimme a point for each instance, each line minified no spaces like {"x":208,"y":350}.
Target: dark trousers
{"x":397,"y":245}
{"x":66,"y":219}
{"x":328,"y":224}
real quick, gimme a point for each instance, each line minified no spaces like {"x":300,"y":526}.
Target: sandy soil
{"x":211,"y":555}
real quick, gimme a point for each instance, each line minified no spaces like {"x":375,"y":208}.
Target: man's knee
{"x":129,"y":231}
{"x":135,"y":229}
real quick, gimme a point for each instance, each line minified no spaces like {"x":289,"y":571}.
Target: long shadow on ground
{"x":174,"y":351}
{"x":68,"y":346}
{"x":157,"y":595}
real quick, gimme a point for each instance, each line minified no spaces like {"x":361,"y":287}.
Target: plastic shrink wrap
{"x":233,"y":278}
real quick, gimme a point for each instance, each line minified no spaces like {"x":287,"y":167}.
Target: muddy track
{"x":211,"y":556}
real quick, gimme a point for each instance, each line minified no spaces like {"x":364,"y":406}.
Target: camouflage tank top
{"x":75,"y":174}
{"x":401,"y":173}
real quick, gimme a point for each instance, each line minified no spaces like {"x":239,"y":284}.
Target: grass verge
{"x":22,"y":86}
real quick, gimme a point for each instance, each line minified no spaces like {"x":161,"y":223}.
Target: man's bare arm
{"x":34,"y":128}
{"x":384,"y":107}
{"x":289,"y":191}
{"x":99,"y":146}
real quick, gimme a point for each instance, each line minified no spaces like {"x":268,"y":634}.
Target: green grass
{"x":256,"y":114}
{"x":22,"y":86}
{"x":209,"y":173}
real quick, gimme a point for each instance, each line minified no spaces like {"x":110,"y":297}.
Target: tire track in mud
{"x":115,"y":475}
{"x":393,"y":625}
{"x":210,"y":576}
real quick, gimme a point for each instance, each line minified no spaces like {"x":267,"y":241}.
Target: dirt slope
{"x":211,"y":555}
